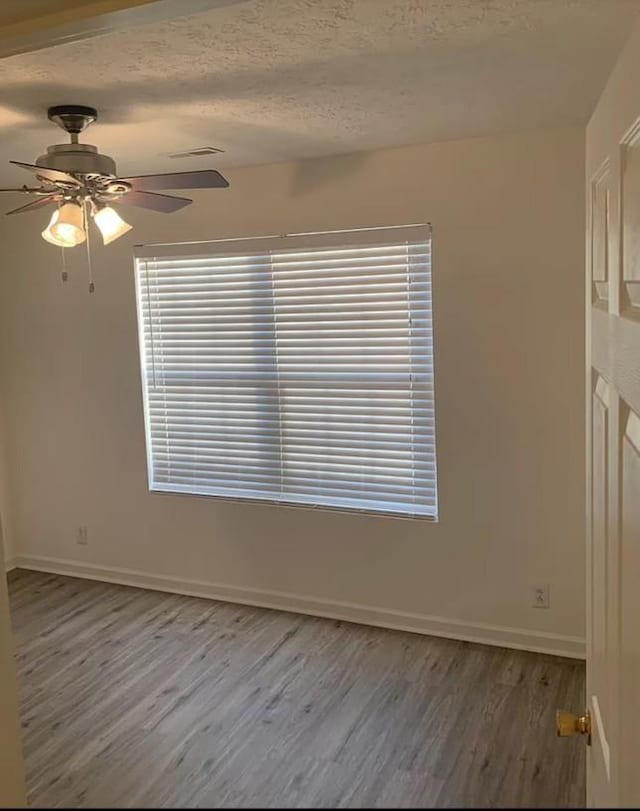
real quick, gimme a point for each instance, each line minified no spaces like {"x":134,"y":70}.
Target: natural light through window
{"x":292,"y":369}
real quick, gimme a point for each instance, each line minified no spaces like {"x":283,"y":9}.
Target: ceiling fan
{"x":83,"y":183}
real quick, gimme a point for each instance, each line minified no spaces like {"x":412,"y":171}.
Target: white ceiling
{"x":271,"y":80}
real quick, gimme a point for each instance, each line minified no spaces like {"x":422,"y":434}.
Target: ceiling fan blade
{"x":206,"y":179}
{"x":42,"y":201}
{"x":53,"y":175}
{"x":164,"y":203}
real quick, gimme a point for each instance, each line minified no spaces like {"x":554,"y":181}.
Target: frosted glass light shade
{"x":46,"y":234}
{"x":66,"y":226}
{"x":110,"y":224}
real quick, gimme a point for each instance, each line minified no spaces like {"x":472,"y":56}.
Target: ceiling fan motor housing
{"x":74,"y":118}
{"x":81,"y":159}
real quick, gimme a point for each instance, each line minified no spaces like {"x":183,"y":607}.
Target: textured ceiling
{"x":271,"y":80}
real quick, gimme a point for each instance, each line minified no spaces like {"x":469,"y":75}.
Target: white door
{"x":613,"y":540}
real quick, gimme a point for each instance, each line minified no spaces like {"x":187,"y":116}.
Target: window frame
{"x":234,"y":246}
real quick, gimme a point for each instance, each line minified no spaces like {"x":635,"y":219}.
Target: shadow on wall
{"x":312,"y":174}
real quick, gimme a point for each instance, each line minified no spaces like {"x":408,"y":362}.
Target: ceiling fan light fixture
{"x":84,"y":180}
{"x":66,"y":226}
{"x":110,"y":224}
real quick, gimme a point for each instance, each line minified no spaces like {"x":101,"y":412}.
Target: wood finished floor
{"x":134,"y":698}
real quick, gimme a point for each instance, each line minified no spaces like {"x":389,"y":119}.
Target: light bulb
{"x":65,"y":227}
{"x":110,"y":224}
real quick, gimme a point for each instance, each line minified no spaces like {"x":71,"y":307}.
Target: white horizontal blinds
{"x":211,"y":375}
{"x":300,"y":371}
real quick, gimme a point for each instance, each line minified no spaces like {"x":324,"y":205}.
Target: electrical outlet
{"x":82,"y":536}
{"x":540,"y":597}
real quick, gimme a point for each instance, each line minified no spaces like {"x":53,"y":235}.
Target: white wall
{"x":508,"y":232}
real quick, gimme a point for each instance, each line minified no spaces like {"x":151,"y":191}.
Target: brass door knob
{"x":568,"y":723}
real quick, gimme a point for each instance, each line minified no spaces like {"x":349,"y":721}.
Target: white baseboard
{"x":502,"y":636}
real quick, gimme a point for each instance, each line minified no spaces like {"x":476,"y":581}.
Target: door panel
{"x":630,"y":185}
{"x":602,"y":615}
{"x":599,"y":557}
{"x":630,"y":630}
{"x":600,"y":206}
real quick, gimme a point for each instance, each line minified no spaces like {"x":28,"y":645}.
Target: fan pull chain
{"x":92,"y":286}
{"x":64,"y":274}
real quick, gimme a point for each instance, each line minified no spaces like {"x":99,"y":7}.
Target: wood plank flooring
{"x":134,"y":698}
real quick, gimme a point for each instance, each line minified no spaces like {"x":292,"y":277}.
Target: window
{"x":294,"y":369}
